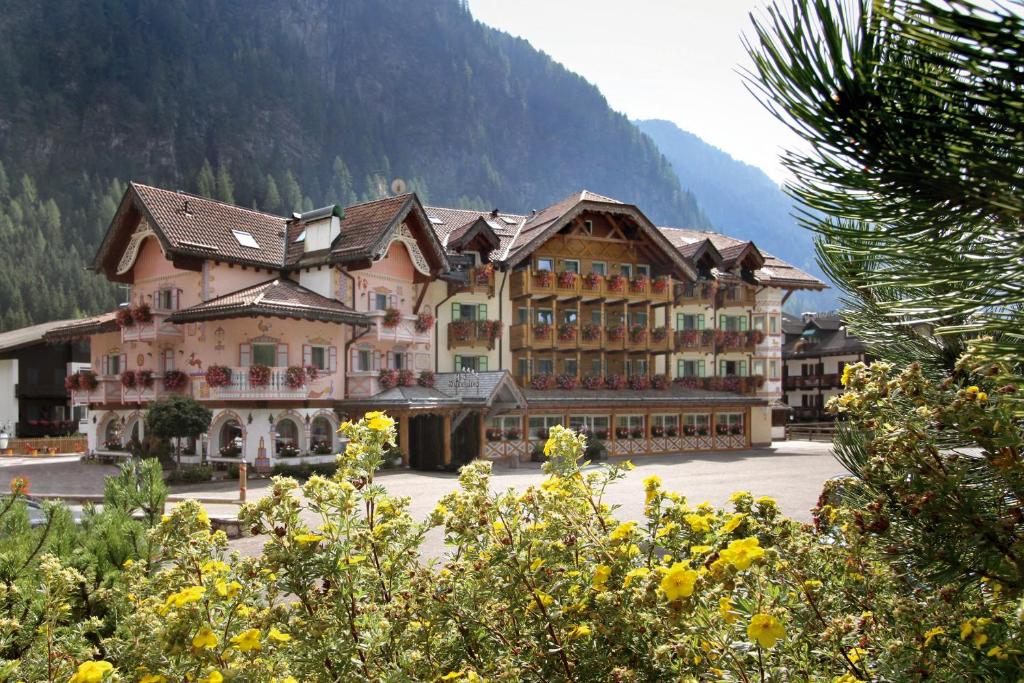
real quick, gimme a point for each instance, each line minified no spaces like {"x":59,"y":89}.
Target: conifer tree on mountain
{"x":225,"y":188}
{"x":206,"y":182}
{"x":271,"y":197}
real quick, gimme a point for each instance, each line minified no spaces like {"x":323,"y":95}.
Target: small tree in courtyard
{"x":178,"y":417}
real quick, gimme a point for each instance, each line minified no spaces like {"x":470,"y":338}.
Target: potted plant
{"x":128,"y":379}
{"x":542,"y":382}
{"x":392,"y":316}
{"x":142,"y":314}
{"x":124,"y":317}
{"x":493,"y":332}
{"x":659,"y":334}
{"x":567,"y":332}
{"x":541,"y":331}
{"x":721,"y":429}
{"x":637,"y":333}
{"x":659,"y":285}
{"x":639,"y":382}
{"x":689,"y":430}
{"x":406,"y":378}
{"x":671,"y":431}
{"x":494,"y":434}
{"x":461,"y":330}
{"x":287,"y":451}
{"x":591,"y":332}
{"x":426,"y":378}
{"x":259,"y":375}
{"x":512,"y":434}
{"x":387,"y":378}
{"x":659,"y":382}
{"x":567,"y":279}
{"x":736,"y":429}
{"x":218,"y":375}
{"x":622,"y":432}
{"x":638,"y":285}
{"x":637,"y":433}
{"x":591,"y":281}
{"x":567,"y":381}
{"x":616,"y":333}
{"x":615,"y":283}
{"x":144,"y":379}
{"x":614,"y":382}
{"x":295,"y":377}
{"x":312,"y":372}
{"x":322,"y":448}
{"x":543,"y":278}
{"x":424,"y":321}
{"x":593,"y":382}
{"x":657,"y":431}
{"x":72,"y":382}
{"x":230,"y":451}
{"x":175,"y":380}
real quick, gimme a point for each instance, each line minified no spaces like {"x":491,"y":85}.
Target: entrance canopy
{"x":492,"y":392}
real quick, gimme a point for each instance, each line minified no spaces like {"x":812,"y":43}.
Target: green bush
{"x":304,"y":471}
{"x":191,"y":475}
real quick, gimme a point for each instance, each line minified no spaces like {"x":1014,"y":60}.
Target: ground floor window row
{"x":625,"y":426}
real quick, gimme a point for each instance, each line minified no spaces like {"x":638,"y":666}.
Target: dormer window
{"x":245,"y":239}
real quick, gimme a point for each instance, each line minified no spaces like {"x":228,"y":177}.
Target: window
{"x":758,"y":322}
{"x":643,"y":269}
{"x":571,"y":266}
{"x":362,"y":360}
{"x":595,"y":367}
{"x":380,"y":301}
{"x":166,"y":299}
{"x":399,"y":360}
{"x":469,"y":311}
{"x":690,"y":368}
{"x":595,"y":316}
{"x":664,"y":425}
{"x":696,"y":424}
{"x":545,"y":264}
{"x":264,"y":354}
{"x":689,"y":321}
{"x":592,"y":425}
{"x":115,"y":364}
{"x":475,"y":363}
{"x":773,"y":369}
{"x":729,"y":423}
{"x":321,"y":432}
{"x":524,"y":369}
{"x":540,"y":425}
{"x":773,"y":324}
{"x":524,"y":315}
{"x":757,"y":367}
{"x":168,"y":360}
{"x":508,"y":426}
{"x":546,"y":316}
{"x":569,"y":316}
{"x":588,"y":227}
{"x":626,"y":269}
{"x":728,"y":368}
{"x":545,"y":366}
{"x":571,"y":367}
{"x":636,"y":367}
{"x":599,"y":268}
{"x":732,"y":323}
{"x":630,"y":426}
{"x":318,"y":357}
{"x":245,"y":239}
{"x":287,"y":434}
{"x":638,"y":318}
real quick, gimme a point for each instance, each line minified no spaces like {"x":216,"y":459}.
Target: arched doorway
{"x":229,"y":439}
{"x":112,"y":433}
{"x":286,"y":439}
{"x":321,"y":436}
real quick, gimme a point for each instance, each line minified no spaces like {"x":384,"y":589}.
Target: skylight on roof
{"x":508,"y":221}
{"x":301,"y":237}
{"x":436,"y":221}
{"x":245,"y":239}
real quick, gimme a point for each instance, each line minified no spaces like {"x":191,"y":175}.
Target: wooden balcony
{"x":527,"y":283}
{"x":403,"y":331}
{"x":479,"y":280}
{"x":156,"y":329}
{"x":145,"y":390}
{"x":661,"y":340}
{"x":735,"y":295}
{"x":108,"y":390}
{"x":615,"y":338}
{"x":830,"y":381}
{"x":637,"y":338}
{"x":591,"y":337}
{"x":737,"y":341}
{"x":570,"y":285}
{"x":695,"y":293}
{"x":567,"y":337}
{"x":473,"y":333}
{"x":526,"y":336}
{"x":700,"y":341}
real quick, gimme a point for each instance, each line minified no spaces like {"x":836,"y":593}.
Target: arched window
{"x":229,"y":439}
{"x":112,"y":433}
{"x":321,"y":436}
{"x":287,"y":441}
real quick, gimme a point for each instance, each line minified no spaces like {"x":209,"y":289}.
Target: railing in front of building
{"x":404,"y":329}
{"x":829,"y":381}
{"x":156,"y":328}
{"x":590,"y":286}
{"x":245,"y":383}
{"x":470,"y":333}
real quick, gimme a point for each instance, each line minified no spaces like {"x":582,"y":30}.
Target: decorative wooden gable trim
{"x":404,"y":235}
{"x":131,"y":252}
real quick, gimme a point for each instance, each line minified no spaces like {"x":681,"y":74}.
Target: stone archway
{"x":109,"y":429}
{"x":323,"y":428}
{"x":225,"y":431}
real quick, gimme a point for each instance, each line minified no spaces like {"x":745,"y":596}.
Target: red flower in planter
{"x":259,"y":375}
{"x":73,"y":382}
{"x":387,"y":378}
{"x":638,"y":284}
{"x":144,"y":379}
{"x":312,"y":372}
{"x":736,"y":429}
{"x":295,"y":377}
{"x":541,"y":331}
{"x":567,"y":332}
{"x":591,"y":281}
{"x":616,"y":333}
{"x":174,"y":380}
{"x":218,"y":375}
{"x":721,"y":429}
{"x":622,"y":432}
{"x":406,"y":378}
{"x":424,"y":321}
{"x":494,"y":435}
{"x":567,"y":382}
{"x":637,"y":333}
{"x":593,"y":382}
{"x":88,"y":381}
{"x":637,"y":433}
{"x":639,"y":382}
{"x":615,"y":283}
{"x":591,"y":332}
{"x":392,"y":317}
{"x":461,"y":330}
{"x":614,"y":382}
{"x":542,"y":382}
{"x":426,"y":379}
{"x":512,"y":434}
{"x":543,"y":278}
{"x":128,"y":379}
{"x":659,"y":334}
{"x":601,"y":434}
{"x":124,"y":317}
{"x":142,"y":314}
{"x":672,"y":431}
{"x":567,"y":279}
{"x":660,"y":284}
{"x":689,"y":430}
{"x":657,"y":430}
{"x":659,"y":382}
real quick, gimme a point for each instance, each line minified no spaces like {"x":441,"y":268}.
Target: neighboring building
{"x":231,"y":305}
{"x":33,"y":400}
{"x":817,"y":348}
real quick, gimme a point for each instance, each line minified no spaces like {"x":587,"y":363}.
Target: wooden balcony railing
{"x":404,"y":330}
{"x":591,"y":337}
{"x":591,"y":286}
{"x":743,"y":341}
{"x":156,"y":329}
{"x":695,"y":340}
{"x":470,"y":333}
{"x":661,"y":340}
{"x":695,"y":293}
{"x":735,"y":295}
{"x":479,"y":280}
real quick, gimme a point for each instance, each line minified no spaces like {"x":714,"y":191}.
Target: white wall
{"x":8,"y":402}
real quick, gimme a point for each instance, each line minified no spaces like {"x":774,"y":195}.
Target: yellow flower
{"x":214,"y":567}
{"x":742,"y":553}
{"x":580,"y":631}
{"x":737,"y":496}
{"x":213,"y":677}
{"x":279,"y":636}
{"x":982,"y":397}
{"x":766,"y":500}
{"x":725,"y":610}
{"x":974,"y":629}
{"x":678,"y":581}
{"x":128,"y":563}
{"x":247,"y":640}
{"x":308,"y":538}
{"x":203,"y":517}
{"x":812,"y":585}
{"x":699,"y":549}
{"x":971,"y":390}
{"x":847,"y":372}
{"x":638,"y":573}
{"x":766,"y":630}
{"x":733,"y":522}
{"x":627,"y":465}
{"x":601,"y":574}
{"x":225,"y":589}
{"x":541,"y":597}
{"x":536,"y":564}
{"x":185,"y":596}
{"x":91,"y":672}
{"x":206,"y":639}
{"x":699,"y":523}
{"x":622,"y":531}
{"x":651,"y":486}
{"x":998,"y":653}
{"x":153,"y":678}
{"x":379,"y":422}
{"x":451,"y":676}
{"x":549,"y":446}
{"x":669,"y":528}
{"x":854,"y":654}
{"x":931,"y":634}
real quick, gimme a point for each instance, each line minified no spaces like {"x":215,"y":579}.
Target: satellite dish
{"x":397,"y":186}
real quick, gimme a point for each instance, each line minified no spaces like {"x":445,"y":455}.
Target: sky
{"x":678,"y":60}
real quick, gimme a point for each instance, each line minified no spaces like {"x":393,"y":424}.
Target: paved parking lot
{"x":790,"y":471}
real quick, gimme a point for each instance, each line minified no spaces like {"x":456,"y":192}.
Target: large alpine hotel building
{"x":476,"y":330}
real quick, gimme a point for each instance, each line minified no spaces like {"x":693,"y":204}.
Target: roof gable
{"x":478,"y":233}
{"x":279,"y":297}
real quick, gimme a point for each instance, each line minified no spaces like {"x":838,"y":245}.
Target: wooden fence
{"x":811,"y":431}
{"x":43,"y":444}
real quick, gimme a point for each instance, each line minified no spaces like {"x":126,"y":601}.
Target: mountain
{"x":287,"y":104}
{"x":741,"y":201}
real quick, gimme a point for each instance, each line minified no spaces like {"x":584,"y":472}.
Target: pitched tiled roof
{"x":774,"y":273}
{"x":83,"y":327}
{"x":27,"y":336}
{"x":284,"y":298}
{"x":446,"y":221}
{"x":824,"y":342}
{"x":203,"y":227}
{"x":364,"y":224}
{"x":452,"y":389}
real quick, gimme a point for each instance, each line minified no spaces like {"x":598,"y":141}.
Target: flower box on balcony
{"x":567,"y":279}
{"x":387,"y":378}
{"x":406,"y":378}
{"x":638,"y":285}
{"x":659,"y":285}
{"x":259,"y":375}
{"x":124,"y":318}
{"x":426,"y":379}
{"x":175,"y":380}
{"x":567,"y":382}
{"x":482,"y":275}
{"x":593,"y":382}
{"x":614,"y":382}
{"x":542,"y":331}
{"x":461,"y":330}
{"x":494,"y":435}
{"x":392,"y":316}
{"x":73,"y":382}
{"x":637,"y":334}
{"x":591,"y":281}
{"x":542,"y":382}
{"x":128,"y":379}
{"x":424,"y":321}
{"x":144,"y":379}
{"x":659,"y":382}
{"x":231,"y":451}
{"x":218,"y":376}
{"x":616,"y":333}
{"x":88,"y":381}
{"x":295,"y":377}
{"x":512,"y":434}
{"x":591,"y":332}
{"x":287,"y":452}
{"x":567,"y":332}
{"x":543,"y":278}
{"x":657,"y":431}
{"x":639,"y":382}
{"x":615,"y":283}
{"x":622,"y":432}
{"x":637,"y":433}
{"x":142,"y":314}
{"x":659,"y":334}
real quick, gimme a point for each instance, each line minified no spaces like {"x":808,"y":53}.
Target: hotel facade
{"x":476,"y":330}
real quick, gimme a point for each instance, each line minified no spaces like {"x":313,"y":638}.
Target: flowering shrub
{"x":406,"y":378}
{"x":659,"y":334}
{"x":295,"y":377}
{"x":426,"y":378}
{"x":543,"y":580}
{"x":591,"y":281}
{"x":392,"y":316}
{"x":144,"y":379}
{"x":259,"y":375}
{"x":493,"y":330}
{"x":142,"y":314}
{"x":128,"y":379}
{"x":639,"y":382}
{"x":387,"y":378}
{"x":637,"y":333}
{"x":542,"y":331}
{"x":87,"y":380}
{"x":659,"y":382}
{"x":461,"y":330}
{"x":614,"y":382}
{"x":543,"y":278}
{"x":218,"y":375}
{"x":567,"y":381}
{"x":175,"y":380}
{"x":124,"y":317}
{"x":593,"y":382}
{"x":542,"y":382}
{"x":72,"y":382}
{"x":424,"y":321}
{"x":230,"y":451}
{"x":659,"y":285}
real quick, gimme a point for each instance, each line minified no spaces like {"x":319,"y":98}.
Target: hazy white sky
{"x":667,"y":59}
